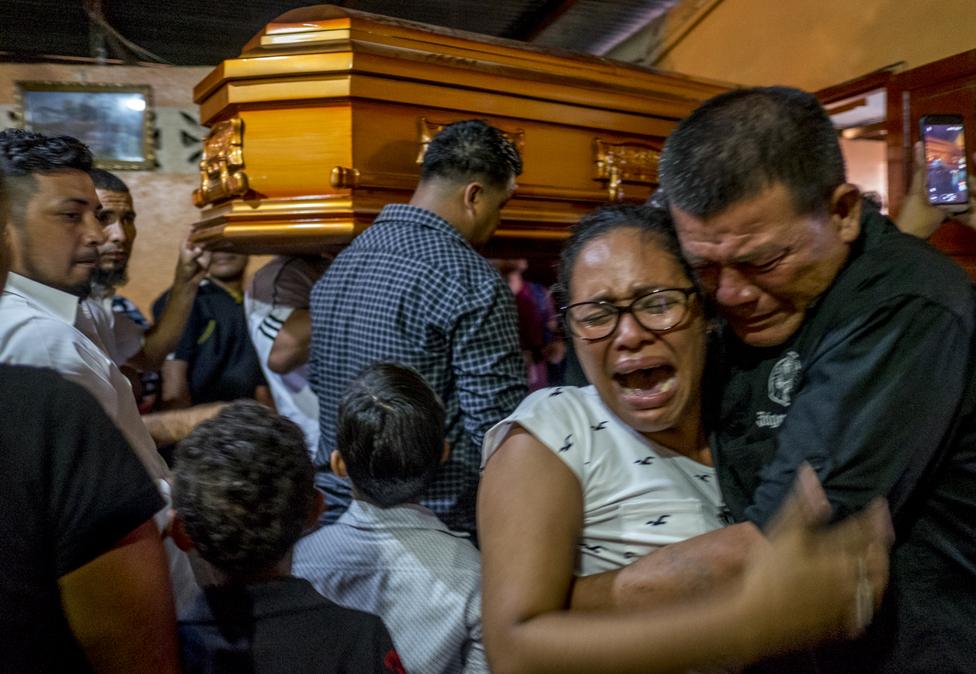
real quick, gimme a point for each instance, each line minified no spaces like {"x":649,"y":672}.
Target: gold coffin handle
{"x":628,"y":162}
{"x":342,"y":177}
{"x":222,"y":173}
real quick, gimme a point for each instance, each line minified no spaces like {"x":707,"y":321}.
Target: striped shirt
{"x":405,"y":566}
{"x":411,"y":290}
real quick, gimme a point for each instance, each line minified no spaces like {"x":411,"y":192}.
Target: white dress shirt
{"x":41,"y":326}
{"x":127,"y":335}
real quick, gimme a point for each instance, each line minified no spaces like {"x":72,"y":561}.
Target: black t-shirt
{"x":876,"y":392}
{"x":282,"y":626}
{"x":72,"y":488}
{"x":221,"y":361}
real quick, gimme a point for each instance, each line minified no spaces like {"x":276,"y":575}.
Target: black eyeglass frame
{"x":629,"y":309}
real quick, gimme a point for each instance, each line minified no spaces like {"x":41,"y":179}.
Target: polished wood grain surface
{"x":333,"y":104}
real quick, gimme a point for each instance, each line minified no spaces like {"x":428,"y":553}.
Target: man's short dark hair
{"x":390,"y":433}
{"x":242,"y":484}
{"x":108,"y":181}
{"x":743,"y":142}
{"x":471,"y":150}
{"x":24,"y":153}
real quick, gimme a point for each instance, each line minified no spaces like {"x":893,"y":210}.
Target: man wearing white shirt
{"x":139,"y":346}
{"x":54,"y":233}
{"x":276,"y":305}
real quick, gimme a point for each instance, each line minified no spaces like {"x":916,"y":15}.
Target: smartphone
{"x":944,"y":141}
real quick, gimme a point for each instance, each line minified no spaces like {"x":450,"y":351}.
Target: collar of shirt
{"x":275,"y":596}
{"x":234,"y":295}
{"x":364,"y":515}
{"x":414,"y":215}
{"x":57,"y":303}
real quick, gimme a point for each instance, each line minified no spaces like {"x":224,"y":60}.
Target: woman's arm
{"x":530,"y":517}
{"x":530,"y":509}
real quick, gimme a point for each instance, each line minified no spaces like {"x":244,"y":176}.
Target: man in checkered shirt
{"x":412,"y":290}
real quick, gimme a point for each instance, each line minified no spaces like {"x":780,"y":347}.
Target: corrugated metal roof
{"x":201,"y":32}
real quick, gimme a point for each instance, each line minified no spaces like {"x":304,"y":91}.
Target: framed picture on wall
{"x":114,"y":120}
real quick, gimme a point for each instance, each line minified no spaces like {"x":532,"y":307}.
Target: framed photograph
{"x":114,"y":120}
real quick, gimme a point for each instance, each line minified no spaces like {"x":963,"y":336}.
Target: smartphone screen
{"x":945,"y":159}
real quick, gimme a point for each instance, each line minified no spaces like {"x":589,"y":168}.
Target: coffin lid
{"x":334,"y":41}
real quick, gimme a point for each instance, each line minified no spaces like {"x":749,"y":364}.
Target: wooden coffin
{"x":323,"y":118}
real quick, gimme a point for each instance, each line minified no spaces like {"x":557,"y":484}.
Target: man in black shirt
{"x":850,"y":347}
{"x":215,"y":359}
{"x":83,"y":576}
{"x":76,"y":517}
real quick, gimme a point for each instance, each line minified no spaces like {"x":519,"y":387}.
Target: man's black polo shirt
{"x":72,"y":489}
{"x":222,"y":363}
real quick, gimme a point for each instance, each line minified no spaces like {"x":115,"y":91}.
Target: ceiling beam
{"x":531,"y":26}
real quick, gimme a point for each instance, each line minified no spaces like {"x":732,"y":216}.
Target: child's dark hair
{"x":390,"y":433}
{"x":243,"y":486}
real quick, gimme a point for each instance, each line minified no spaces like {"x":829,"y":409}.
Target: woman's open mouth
{"x":647,"y":388}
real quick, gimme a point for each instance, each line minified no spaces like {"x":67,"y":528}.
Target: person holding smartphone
{"x":918,"y":216}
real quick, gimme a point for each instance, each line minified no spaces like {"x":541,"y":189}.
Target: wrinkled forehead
{"x":768,"y":219}
{"x":117,"y":201}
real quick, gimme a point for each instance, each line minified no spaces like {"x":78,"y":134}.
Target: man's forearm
{"x":120,"y":606}
{"x":163,"y":337}
{"x":171,"y":426}
{"x":673,"y":573}
{"x":291,"y":344}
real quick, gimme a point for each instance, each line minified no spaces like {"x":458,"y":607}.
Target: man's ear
{"x":178,"y":532}
{"x":338,"y":464}
{"x":845,"y":212}
{"x":474,"y":192}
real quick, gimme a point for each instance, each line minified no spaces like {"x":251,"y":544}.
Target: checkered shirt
{"x":411,"y":290}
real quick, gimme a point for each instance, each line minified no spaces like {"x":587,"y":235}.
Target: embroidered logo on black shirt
{"x":783,"y":378}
